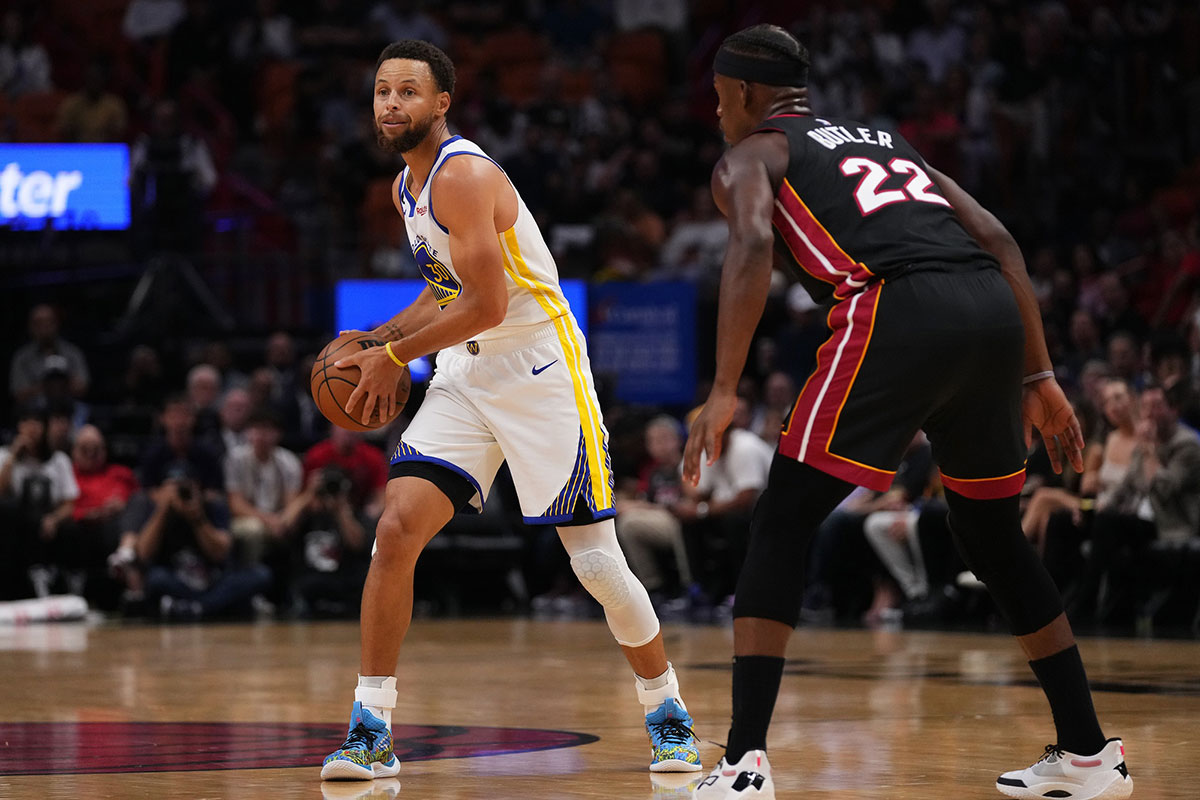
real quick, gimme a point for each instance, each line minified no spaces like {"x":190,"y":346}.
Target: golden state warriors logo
{"x":441,"y":280}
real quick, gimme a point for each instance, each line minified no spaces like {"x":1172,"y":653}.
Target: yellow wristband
{"x":388,"y":347}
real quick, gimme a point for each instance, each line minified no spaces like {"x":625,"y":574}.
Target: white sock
{"x":377,"y":693}
{"x":653,"y":692}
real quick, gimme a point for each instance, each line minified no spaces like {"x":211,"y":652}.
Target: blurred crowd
{"x":1077,"y":123}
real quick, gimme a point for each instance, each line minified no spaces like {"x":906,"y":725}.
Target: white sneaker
{"x":748,"y":778}
{"x":1060,"y":774}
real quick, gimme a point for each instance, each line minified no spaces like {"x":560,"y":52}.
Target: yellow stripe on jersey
{"x":589,"y":411}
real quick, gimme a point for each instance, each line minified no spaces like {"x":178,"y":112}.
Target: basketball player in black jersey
{"x":934,"y":326}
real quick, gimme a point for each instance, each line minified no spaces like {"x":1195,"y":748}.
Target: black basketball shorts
{"x":937,"y":350}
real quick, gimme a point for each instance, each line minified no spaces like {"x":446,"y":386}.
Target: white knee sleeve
{"x":600,"y":566}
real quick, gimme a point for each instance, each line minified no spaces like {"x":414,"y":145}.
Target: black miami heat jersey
{"x":857,"y":204}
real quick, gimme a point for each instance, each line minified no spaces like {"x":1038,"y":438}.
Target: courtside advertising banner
{"x":65,"y":186}
{"x":644,"y":336}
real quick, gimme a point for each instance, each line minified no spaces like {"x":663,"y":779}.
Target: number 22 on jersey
{"x":871,"y":197}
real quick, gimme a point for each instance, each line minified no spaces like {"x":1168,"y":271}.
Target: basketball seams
{"x":320,"y":377}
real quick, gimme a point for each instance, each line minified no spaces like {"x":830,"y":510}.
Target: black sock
{"x":755,"y":686}
{"x":1065,"y":683}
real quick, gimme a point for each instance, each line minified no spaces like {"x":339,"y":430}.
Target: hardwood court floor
{"x":862,"y":715}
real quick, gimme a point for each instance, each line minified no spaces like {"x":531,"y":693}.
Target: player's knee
{"x":604,"y":575}
{"x":397,"y":541}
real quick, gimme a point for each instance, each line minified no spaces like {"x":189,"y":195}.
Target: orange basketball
{"x":331,"y":386}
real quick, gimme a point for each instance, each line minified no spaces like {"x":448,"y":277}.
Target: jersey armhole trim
{"x":405,"y":194}
{"x":432,"y":215}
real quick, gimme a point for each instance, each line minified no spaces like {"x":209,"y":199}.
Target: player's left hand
{"x":377,"y":384}
{"x":707,"y":433}
{"x":1045,"y":407}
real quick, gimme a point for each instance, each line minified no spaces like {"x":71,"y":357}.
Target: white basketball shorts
{"x":528,"y":399}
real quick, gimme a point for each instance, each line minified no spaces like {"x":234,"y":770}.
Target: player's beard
{"x":412,"y":136}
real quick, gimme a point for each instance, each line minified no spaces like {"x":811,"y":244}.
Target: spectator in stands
{"x":38,"y":493}
{"x":29,"y":362}
{"x":1125,"y":358}
{"x":217,"y":353}
{"x":1085,"y":343}
{"x":891,"y":530}
{"x":940,"y":43}
{"x":281,"y":362}
{"x":184,"y":545}
{"x":93,"y":114}
{"x":573,"y":27}
{"x":262,"y":480}
{"x":104,"y":488}
{"x":178,"y":444}
{"x":1158,"y":500}
{"x":172,"y":174}
{"x":152,"y":19}
{"x":236,"y":410}
{"x":843,"y":579}
{"x":176,"y":451}
{"x":330,"y":547}
{"x":406,"y":19}
{"x":779,"y":391}
{"x":204,"y":393}
{"x":716,"y":512}
{"x":646,"y":523}
{"x":24,"y":64}
{"x":696,"y":244}
{"x":1106,"y":463}
{"x":363,"y":464}
{"x":60,"y":425}
{"x":104,"y":492}
{"x":1117,"y":314}
{"x":143,"y":385}
{"x":269,"y":33}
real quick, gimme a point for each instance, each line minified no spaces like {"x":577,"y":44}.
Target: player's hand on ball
{"x":707,"y":433}
{"x":377,"y":387}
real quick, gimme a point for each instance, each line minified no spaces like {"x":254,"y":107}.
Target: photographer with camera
{"x":182,"y":511}
{"x":184,"y":545}
{"x":329,"y":546}
{"x":363,"y":464}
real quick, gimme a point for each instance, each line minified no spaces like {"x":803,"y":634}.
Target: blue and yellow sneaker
{"x":366,"y":753}
{"x":671,"y":736}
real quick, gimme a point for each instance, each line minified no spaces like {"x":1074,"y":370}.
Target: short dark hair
{"x":416,"y":50}
{"x":769,"y":43}
{"x":264,"y":417}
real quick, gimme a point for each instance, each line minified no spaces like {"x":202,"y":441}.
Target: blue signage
{"x":71,"y":186}
{"x":644,"y":336}
{"x":367,"y":304}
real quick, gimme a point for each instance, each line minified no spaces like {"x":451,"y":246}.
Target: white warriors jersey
{"x":534,"y":296}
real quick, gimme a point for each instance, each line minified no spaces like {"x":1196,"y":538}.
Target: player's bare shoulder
{"x":467,"y":185}
{"x":763,"y":155}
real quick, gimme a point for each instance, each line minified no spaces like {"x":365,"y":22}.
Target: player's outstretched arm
{"x":1044,"y":406}
{"x":742,"y":189}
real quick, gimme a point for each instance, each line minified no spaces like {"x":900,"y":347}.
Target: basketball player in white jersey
{"x":513,"y":382}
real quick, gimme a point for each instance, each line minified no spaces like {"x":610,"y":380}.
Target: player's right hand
{"x":377,"y":385}
{"x":707,"y":433}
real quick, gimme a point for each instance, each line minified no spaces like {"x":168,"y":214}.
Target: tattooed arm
{"x":420,"y":313}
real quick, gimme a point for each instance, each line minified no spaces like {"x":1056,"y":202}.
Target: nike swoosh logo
{"x":540,"y":370}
